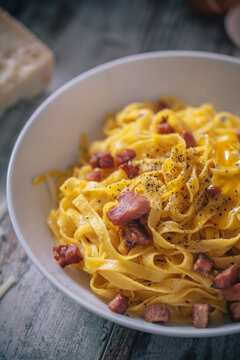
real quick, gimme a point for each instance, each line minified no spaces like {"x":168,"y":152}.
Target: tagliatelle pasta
{"x":185,"y":219}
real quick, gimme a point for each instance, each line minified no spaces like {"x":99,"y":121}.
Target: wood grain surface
{"x":36,"y":320}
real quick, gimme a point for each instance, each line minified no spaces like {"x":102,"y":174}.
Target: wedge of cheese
{"x":26,"y":64}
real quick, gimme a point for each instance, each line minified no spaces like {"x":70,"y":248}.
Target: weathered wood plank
{"x":48,"y":326}
{"x":178,"y":27}
{"x":135,"y":345}
{"x":36,"y":320}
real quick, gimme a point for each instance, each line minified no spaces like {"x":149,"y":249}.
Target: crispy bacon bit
{"x":134,"y":234}
{"x":119,"y":304}
{"x":226,"y":278}
{"x":124,"y":156}
{"x":203,"y":264}
{"x":160,"y":105}
{"x":130,"y":170}
{"x":213,"y":191}
{"x":232,"y":293}
{"x":102,"y":160}
{"x":95,"y":175}
{"x":164,"y":119}
{"x":200,"y":313}
{"x":238,"y":133}
{"x":157,"y":313}
{"x":144,"y":219}
{"x":131,"y":207}
{"x":189,"y":138}
{"x":67,"y":254}
{"x":234,"y":310}
{"x":164,"y":128}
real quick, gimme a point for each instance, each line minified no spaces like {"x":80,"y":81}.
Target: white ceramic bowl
{"x":50,"y":140}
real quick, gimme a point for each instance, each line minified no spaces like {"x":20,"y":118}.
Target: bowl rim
{"x":179,"y":331}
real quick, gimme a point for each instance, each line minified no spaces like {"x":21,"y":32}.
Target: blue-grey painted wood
{"x":36,"y":320}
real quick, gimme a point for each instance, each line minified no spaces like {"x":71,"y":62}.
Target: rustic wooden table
{"x":36,"y":320}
